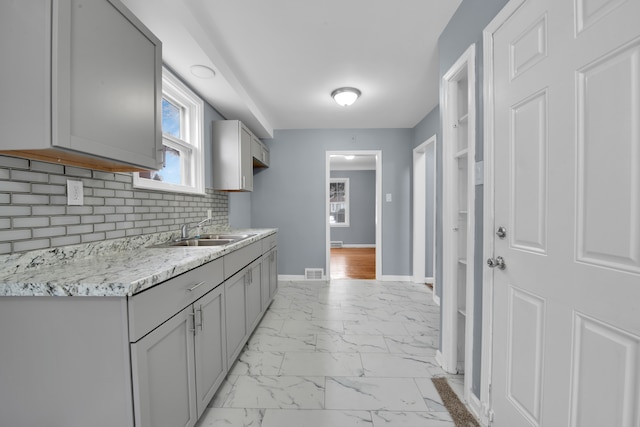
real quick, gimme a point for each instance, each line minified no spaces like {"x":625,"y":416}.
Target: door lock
{"x":501,"y":232}
{"x":496,"y":262}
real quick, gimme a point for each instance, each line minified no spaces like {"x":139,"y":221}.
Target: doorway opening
{"x":353,"y":211}
{"x":424,"y":215}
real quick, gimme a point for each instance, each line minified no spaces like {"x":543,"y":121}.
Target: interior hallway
{"x":346,"y":353}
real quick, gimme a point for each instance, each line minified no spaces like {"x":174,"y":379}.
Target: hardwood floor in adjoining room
{"x":353,"y":263}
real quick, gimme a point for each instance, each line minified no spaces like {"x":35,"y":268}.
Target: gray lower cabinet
{"x":210,"y":345}
{"x":151,"y":360}
{"x":253,"y":303}
{"x":178,"y":366}
{"x":163,"y":368}
{"x":236,"y":318}
{"x":273,"y":272}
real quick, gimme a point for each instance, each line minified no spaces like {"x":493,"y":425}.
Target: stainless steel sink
{"x":205,"y":240}
{"x":234,"y":237}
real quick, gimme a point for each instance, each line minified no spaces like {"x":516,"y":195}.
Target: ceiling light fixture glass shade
{"x":202,"y":72}
{"x":345,"y":96}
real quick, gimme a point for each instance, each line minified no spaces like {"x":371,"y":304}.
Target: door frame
{"x":488,"y":248}
{"x":378,"y":217}
{"x":448,"y":358}
{"x":420,"y":213}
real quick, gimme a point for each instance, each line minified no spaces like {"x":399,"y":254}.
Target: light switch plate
{"x":75,"y":193}
{"x":388,"y":197}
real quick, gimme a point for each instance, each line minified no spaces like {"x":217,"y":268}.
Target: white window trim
{"x":346,"y":202}
{"x":177,"y":91}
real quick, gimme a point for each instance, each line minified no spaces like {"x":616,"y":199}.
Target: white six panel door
{"x":566,"y":339}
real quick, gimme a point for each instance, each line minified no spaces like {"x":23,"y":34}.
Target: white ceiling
{"x":277,"y":61}
{"x":357,"y":163}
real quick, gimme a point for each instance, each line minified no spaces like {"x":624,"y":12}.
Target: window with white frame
{"x":183,"y":148}
{"x":339,"y":202}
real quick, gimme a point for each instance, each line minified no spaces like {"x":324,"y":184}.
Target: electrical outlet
{"x":75,"y":193}
{"x":388,"y":197}
{"x":209,"y":214}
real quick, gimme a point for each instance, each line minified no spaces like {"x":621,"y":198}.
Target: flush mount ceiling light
{"x":345,"y":96}
{"x":202,"y":71}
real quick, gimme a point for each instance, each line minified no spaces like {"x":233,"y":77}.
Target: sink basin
{"x":201,"y":242}
{"x":234,"y":237}
{"x":206,"y":240}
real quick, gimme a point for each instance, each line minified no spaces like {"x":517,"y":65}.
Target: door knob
{"x":501,"y":232}
{"x":496,"y":262}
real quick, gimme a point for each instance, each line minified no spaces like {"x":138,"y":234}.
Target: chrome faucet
{"x":184,"y":229}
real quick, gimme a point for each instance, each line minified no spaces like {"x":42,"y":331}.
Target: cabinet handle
{"x":196,"y":286}
{"x":201,"y":318}
{"x":244,"y":180}
{"x":193,"y":315}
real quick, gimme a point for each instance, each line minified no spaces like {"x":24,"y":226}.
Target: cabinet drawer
{"x":237,"y":260}
{"x":269,"y":242}
{"x":150,"y":308}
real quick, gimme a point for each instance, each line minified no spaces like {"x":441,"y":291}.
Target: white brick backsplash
{"x":9,"y":211}
{"x":13,"y":162}
{"x":15,"y":186}
{"x":49,"y":232}
{"x":48,"y":210}
{"x":47,"y":167}
{"x":48,"y":189}
{"x":29,"y":199}
{"x":73,"y":171}
{"x":65,"y":220}
{"x":65,"y":241}
{"x":79,"y":229}
{"x":30,"y":222}
{"x":34,"y":212}
{"x":92,"y":237}
{"x":30,"y":245}
{"x":9,"y":235}
{"x":18,"y":175}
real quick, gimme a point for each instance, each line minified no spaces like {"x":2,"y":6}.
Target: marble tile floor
{"x":345,"y":354}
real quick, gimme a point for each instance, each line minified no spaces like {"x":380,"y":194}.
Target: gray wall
{"x":362,"y":209}
{"x":240,"y":210}
{"x":428,"y":127}
{"x":290,"y":194}
{"x":465,"y":28}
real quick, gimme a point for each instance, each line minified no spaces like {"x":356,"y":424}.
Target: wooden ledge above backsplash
{"x":68,"y":158}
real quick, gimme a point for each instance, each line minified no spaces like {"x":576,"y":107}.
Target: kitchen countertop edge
{"x":117,"y":274}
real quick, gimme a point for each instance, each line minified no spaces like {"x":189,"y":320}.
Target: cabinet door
{"x":253,"y":303}
{"x":273,"y":273}
{"x":107,"y":83}
{"x":211,"y":353}
{"x":246,"y":160}
{"x":164,"y":376}
{"x":235,"y":315}
{"x":265,"y":293}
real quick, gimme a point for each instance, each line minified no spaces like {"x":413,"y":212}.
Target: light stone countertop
{"x":116,"y":268}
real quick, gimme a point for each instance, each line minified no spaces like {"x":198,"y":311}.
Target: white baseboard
{"x":358,"y":245}
{"x":298,"y":278}
{"x":395,"y":278}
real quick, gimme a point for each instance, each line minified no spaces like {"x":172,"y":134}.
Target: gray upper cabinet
{"x":81,"y":84}
{"x":260,"y":153}
{"x":232,"y":159}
